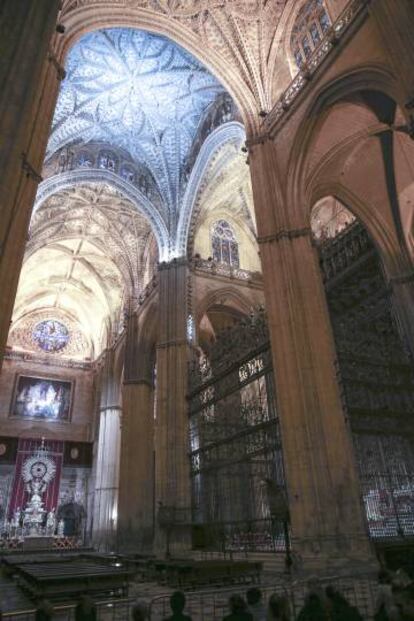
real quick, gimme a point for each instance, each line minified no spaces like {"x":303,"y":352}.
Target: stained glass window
{"x":224,"y":244}
{"x":51,"y":335}
{"x":311,"y":24}
{"x":128,"y":174}
{"x":107,"y":160}
{"x":84,"y":160}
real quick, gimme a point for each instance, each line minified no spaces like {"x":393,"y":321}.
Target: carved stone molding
{"x":285,"y":234}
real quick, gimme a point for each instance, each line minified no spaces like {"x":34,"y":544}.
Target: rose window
{"x":51,"y":335}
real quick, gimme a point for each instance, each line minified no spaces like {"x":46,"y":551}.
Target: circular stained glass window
{"x":51,"y":335}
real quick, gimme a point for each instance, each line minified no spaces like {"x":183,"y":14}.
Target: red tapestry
{"x":27,"y":448}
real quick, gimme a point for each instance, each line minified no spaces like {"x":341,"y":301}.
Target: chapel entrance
{"x":238,"y":494}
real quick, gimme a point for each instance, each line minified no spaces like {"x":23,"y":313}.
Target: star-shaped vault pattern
{"x":140,"y":92}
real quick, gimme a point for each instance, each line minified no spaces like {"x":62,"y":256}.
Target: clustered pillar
{"x":327,"y":523}
{"x":136,"y":487}
{"x":107,"y":478}
{"x":29,"y":83}
{"x":172,"y":478}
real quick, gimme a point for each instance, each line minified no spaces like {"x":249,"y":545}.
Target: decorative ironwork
{"x":223,"y":269}
{"x":235,"y":449}
{"x":377,"y":378}
{"x":336,"y":32}
{"x":310,"y":27}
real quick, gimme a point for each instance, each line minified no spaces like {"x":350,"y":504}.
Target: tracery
{"x":224,"y":244}
{"x":311,"y":24}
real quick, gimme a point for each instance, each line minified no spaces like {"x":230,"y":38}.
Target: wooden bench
{"x":59,"y":580}
{"x":191,"y":573}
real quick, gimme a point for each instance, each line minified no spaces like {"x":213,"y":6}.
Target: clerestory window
{"x":311,"y":24}
{"x":224,"y":244}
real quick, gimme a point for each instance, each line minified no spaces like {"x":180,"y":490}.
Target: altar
{"x":40,"y":542}
{"x":34,"y":525}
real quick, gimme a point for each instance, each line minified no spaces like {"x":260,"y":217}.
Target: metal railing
{"x":211,"y":604}
{"x":108,"y":610}
{"x":214,"y":268}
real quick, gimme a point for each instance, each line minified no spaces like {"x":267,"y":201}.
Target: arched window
{"x":224,"y":244}
{"x":311,"y":24}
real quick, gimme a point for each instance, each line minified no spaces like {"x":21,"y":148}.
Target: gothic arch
{"x":378,"y":229}
{"x":301,"y":180}
{"x":79,"y":19}
{"x":72,"y":178}
{"x":225,"y":133}
{"x":232,"y":299}
{"x":371,"y":78}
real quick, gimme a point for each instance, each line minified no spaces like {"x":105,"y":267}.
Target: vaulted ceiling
{"x":140,"y":92}
{"x":167,"y":119}
{"x":83,"y":260}
{"x":238,"y":38}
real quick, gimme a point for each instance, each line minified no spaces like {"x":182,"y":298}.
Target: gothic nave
{"x":207,"y":318}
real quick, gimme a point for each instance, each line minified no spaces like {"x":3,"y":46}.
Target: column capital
{"x":285,"y":234}
{"x":117,"y":407}
{"x":401,"y":279}
{"x":139,"y":380}
{"x":177,"y":262}
{"x":171,"y":343}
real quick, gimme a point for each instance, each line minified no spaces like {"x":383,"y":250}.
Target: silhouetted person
{"x":386,"y":608}
{"x":255,"y":604}
{"x":278,"y":608}
{"x":86,"y":609}
{"x":339,"y":608}
{"x":314,"y":609}
{"x":44,"y":611}
{"x":139,"y":612}
{"x":238,"y":609}
{"x":177,"y":603}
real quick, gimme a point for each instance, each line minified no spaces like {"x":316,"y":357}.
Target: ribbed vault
{"x":84,"y":260}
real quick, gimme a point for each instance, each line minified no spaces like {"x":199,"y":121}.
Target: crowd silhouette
{"x":394,"y":602}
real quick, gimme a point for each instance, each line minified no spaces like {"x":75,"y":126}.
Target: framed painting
{"x":42,"y":398}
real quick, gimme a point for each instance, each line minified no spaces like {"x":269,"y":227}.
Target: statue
{"x":51,"y":523}
{"x":61,"y":528}
{"x":17,"y":516}
{"x":37,"y":472}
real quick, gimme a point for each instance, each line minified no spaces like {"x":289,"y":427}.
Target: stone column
{"x":29,"y":80}
{"x":172,"y":469}
{"x":107,"y":478}
{"x":105,"y":506}
{"x":136,"y":481}
{"x":327,"y":520}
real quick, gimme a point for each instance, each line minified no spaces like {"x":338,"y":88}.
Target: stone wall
{"x":81,"y":424}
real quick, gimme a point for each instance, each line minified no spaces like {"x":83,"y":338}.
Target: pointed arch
{"x":86,"y":18}
{"x":230,"y":132}
{"x":69,"y":179}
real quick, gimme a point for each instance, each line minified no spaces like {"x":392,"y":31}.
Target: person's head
{"x":253,"y":596}
{"x":177,"y":601}
{"x":384,"y":577}
{"x":139,"y":612}
{"x":279,"y":607}
{"x":313,"y":598}
{"x":237,"y":604}
{"x":86,"y":602}
{"x":45,"y":608}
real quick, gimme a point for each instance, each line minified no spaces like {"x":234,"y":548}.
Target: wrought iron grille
{"x":235,"y":449}
{"x":377,"y":377}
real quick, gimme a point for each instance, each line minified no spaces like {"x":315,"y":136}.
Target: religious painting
{"x":42,"y":398}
